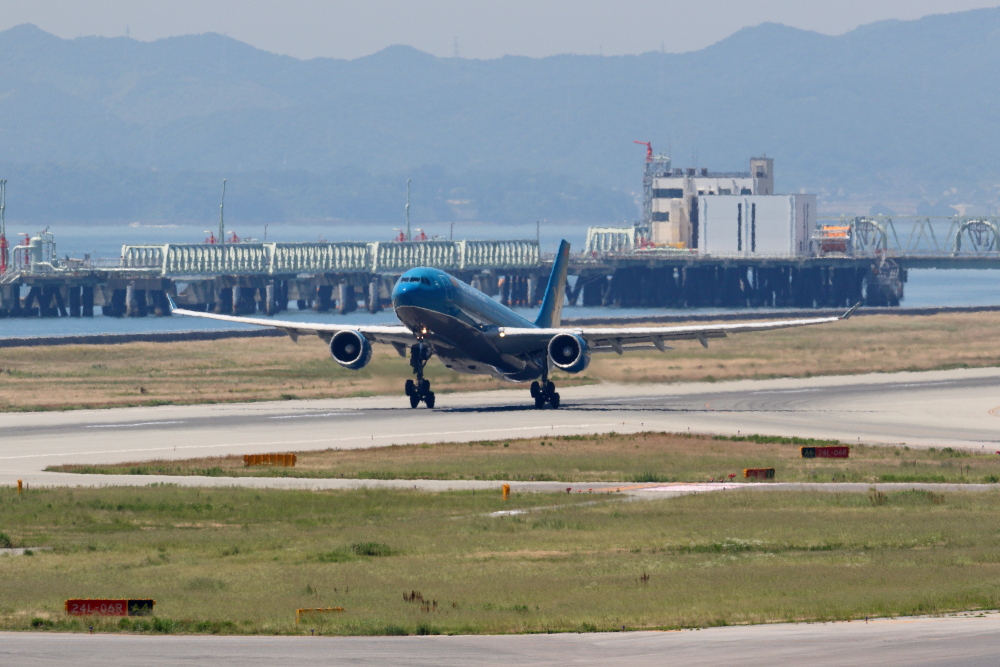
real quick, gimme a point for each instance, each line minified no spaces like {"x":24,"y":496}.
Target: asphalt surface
{"x":963,"y":640}
{"x":939,"y":408}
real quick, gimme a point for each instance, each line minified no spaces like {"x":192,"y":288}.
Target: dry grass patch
{"x":636,"y":458}
{"x":254,"y":369}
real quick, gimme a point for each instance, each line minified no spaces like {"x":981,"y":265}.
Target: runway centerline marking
{"x":325,"y":414}
{"x":302,"y":442}
{"x":132,"y":425}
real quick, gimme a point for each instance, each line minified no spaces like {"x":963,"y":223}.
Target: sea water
{"x":924,"y":288}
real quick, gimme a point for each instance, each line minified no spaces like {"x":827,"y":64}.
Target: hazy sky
{"x":481,"y":28}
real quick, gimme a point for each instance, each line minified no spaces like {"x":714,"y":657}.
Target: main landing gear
{"x":421,"y":389}
{"x":544,"y":392}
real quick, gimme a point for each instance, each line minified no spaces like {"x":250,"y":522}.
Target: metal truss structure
{"x":925,"y":237}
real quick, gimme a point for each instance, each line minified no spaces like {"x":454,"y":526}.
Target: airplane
{"x":472,"y":333}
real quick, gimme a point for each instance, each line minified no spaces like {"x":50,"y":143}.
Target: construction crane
{"x":649,"y":149}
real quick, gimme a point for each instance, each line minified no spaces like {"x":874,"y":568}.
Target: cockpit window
{"x":425,"y":281}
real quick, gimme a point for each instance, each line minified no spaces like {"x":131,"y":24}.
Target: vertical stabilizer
{"x":555,"y":293}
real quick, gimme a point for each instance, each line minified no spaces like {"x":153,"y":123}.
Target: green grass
{"x":627,"y":458}
{"x":233,"y":560}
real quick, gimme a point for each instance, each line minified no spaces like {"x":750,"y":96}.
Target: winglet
{"x":550,"y":314}
{"x":170,"y":300}
{"x":847,"y":315}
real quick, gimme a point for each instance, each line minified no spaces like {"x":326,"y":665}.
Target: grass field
{"x":89,"y":376}
{"x":241,"y":561}
{"x":643,"y":457}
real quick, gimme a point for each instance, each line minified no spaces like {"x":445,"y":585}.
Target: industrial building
{"x":724,"y":213}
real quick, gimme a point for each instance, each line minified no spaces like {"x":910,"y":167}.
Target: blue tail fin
{"x":551,"y":313}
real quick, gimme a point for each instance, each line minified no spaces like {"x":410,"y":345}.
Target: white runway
{"x":967,"y":640}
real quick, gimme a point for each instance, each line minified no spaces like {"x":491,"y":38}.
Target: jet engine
{"x":569,"y":352}
{"x":350,"y":349}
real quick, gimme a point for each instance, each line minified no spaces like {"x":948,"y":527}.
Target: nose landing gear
{"x":421,"y":389}
{"x":544,"y":392}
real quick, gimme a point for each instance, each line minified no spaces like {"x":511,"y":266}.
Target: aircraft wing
{"x":391,"y":335}
{"x":620,"y":339}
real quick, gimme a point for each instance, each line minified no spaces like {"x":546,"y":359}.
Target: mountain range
{"x":896,"y":116}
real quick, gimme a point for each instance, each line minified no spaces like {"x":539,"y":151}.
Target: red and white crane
{"x":649,"y":149}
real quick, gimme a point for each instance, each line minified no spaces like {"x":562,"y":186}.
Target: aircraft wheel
{"x":410,"y":388}
{"x":429,"y":399}
{"x":554,"y":400}
{"x":536,"y":391}
{"x":539,"y":402}
{"x":425,"y":386}
{"x":414,"y":400}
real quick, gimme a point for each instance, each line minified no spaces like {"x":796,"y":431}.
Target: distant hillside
{"x":899,"y":113}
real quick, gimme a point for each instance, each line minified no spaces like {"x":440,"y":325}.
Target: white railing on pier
{"x":193,"y":259}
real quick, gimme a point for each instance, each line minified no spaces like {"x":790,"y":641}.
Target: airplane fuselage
{"x":462,"y":326}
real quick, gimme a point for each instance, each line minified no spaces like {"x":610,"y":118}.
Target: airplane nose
{"x":402,"y":292}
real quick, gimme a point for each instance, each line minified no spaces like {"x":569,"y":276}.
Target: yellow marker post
{"x":506,"y":491}
{"x":19,"y":484}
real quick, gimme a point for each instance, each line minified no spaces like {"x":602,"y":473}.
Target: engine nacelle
{"x":350,"y":349}
{"x":568,"y":352}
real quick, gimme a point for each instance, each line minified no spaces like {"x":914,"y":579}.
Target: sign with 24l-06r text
{"x":101,"y":607}
{"x":836,"y":452}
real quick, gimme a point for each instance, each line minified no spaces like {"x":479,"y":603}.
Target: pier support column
{"x":74,"y":301}
{"x":161,"y":305}
{"x":60,"y":295}
{"x":324,"y":298}
{"x":532,"y":291}
{"x":573,"y":291}
{"x":608,"y":293}
{"x":117,"y":306}
{"x":224,"y":300}
{"x":142,"y":300}
{"x":14,"y":309}
{"x":503,"y":284}
{"x":244,"y":300}
{"x":270,"y":304}
{"x":347,"y":299}
{"x":282,"y":295}
{"x":488,"y":283}
{"x":6,"y":300}
{"x":32,"y":302}
{"x":593,"y":291}
{"x":799,"y":287}
{"x":373,"y":302}
{"x":53,"y":301}
{"x":131,"y":302}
